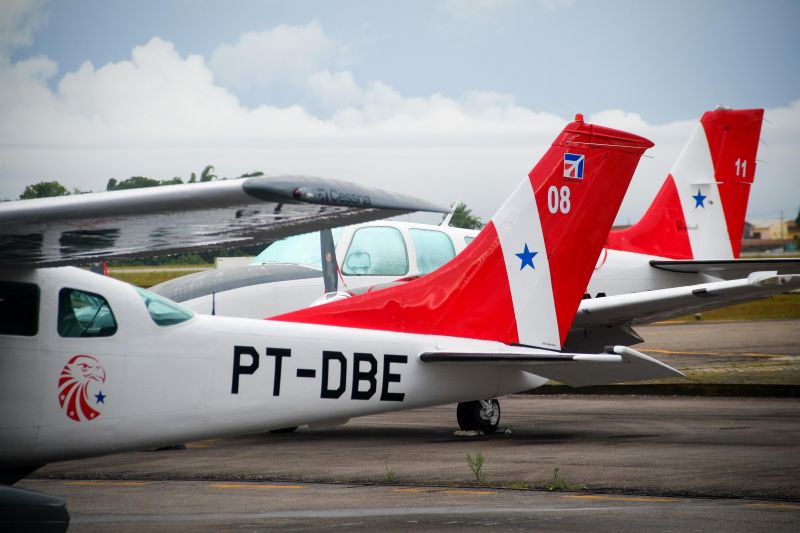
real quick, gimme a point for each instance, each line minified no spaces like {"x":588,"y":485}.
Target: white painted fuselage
{"x":212,"y":376}
{"x":620,"y":272}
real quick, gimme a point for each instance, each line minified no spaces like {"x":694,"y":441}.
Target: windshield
{"x":298,"y":249}
{"x":164,"y":312}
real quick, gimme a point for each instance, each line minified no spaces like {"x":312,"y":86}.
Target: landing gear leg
{"x":480,"y":415}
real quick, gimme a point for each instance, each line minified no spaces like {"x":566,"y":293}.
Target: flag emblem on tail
{"x":573,"y":166}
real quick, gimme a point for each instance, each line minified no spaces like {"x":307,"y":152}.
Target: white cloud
{"x":281,"y":55}
{"x":335,"y":90}
{"x":19,"y":20}
{"x":162,"y":114}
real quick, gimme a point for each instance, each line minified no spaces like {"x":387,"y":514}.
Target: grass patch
{"x":476,"y":464}
{"x":558,"y":483}
{"x":780,"y":306}
{"x":520,"y":485}
{"x":391,"y":475}
{"x":198,"y":266}
{"x":147,"y":279}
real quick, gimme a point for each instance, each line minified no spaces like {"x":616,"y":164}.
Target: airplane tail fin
{"x":699,"y":211}
{"x":522,"y":278}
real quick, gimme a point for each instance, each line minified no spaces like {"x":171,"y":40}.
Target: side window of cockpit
{"x":19,"y":308}
{"x":84,"y":314}
{"x":376,"y":251}
{"x":434,"y":248}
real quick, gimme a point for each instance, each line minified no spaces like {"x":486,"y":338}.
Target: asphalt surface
{"x":740,"y":352}
{"x":213,"y":506}
{"x":624,"y":463}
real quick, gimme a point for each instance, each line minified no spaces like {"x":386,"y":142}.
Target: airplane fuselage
{"x":620,"y":272}
{"x":148,"y":385}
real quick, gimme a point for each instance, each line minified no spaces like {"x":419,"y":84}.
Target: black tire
{"x":284,"y":430}
{"x":473,"y":417}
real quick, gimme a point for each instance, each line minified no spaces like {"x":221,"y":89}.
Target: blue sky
{"x":435,"y":97}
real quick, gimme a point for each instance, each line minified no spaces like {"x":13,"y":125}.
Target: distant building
{"x":770,"y":230}
{"x":769,"y":236}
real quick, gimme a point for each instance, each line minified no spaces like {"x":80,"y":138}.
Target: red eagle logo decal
{"x":81,"y":372}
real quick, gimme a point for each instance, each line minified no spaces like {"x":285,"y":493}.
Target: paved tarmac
{"x":628,"y":463}
{"x":224,"y":506}
{"x":739,"y":352}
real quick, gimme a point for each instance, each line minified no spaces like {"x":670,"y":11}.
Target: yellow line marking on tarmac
{"x":775,"y":505}
{"x":684,"y":352}
{"x":619,"y":498}
{"x":476,"y":492}
{"x":252,"y":486}
{"x":109,"y":483}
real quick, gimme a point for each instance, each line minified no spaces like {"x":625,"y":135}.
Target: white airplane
{"x":687,"y":245}
{"x":91,"y":365}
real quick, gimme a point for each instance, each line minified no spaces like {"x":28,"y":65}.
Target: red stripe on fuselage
{"x":467,"y":297}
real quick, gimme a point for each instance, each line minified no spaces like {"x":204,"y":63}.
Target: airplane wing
{"x":618,"y":364}
{"x":730,"y":268}
{"x":180,"y":218}
{"x":601,"y":321}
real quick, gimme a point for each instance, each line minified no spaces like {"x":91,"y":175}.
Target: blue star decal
{"x":526,"y":258}
{"x":699,"y":199}
{"x":100,"y":397}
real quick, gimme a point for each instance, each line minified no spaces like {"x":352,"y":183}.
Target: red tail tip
{"x":578,"y":117}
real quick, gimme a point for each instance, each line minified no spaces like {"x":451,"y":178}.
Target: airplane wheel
{"x":480,"y":415}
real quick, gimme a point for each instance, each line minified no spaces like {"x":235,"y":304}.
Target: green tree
{"x":208,"y":173}
{"x":463,"y":218}
{"x":252,"y":174}
{"x":193,"y":178}
{"x":44,"y":189}
{"x":138,"y":182}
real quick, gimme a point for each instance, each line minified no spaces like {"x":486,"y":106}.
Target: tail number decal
{"x":741,"y":166}
{"x":363,"y":379}
{"x":558,"y":199}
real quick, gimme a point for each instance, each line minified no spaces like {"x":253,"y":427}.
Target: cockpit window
{"x":84,"y":314}
{"x":297,"y":249}
{"x":164,"y":312}
{"x":19,"y":308}
{"x":434,"y":248}
{"x":376,"y":251}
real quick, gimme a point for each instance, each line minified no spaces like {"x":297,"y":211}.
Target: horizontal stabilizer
{"x":730,"y":268}
{"x":620,"y":364}
{"x":663,"y":304}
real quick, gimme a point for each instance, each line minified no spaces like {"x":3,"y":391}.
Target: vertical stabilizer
{"x":699,"y":211}
{"x":521,"y":280}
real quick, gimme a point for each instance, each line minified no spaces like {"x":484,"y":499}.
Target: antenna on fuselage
{"x":446,"y":221}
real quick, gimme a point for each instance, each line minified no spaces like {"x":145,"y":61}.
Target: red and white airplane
{"x":93,"y":366}
{"x":680,"y":258}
